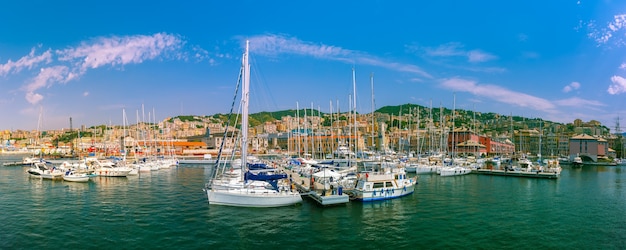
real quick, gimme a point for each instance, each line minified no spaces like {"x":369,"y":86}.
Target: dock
{"x":541,"y":175}
{"x":315,"y":191}
{"x":13,"y":163}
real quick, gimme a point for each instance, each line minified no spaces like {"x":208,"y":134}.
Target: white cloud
{"x":622,"y":66}
{"x":457,"y":49}
{"x":45,"y":78}
{"x":277,"y":44}
{"x":608,"y":33}
{"x":479,"y":56}
{"x":120,"y":50}
{"x":618,"y":86}
{"x":33,"y":97}
{"x":73,"y":62}
{"x":499,"y":94}
{"x":273,"y":45}
{"x":86,"y":93}
{"x":448,"y":49}
{"x":27,"y":61}
{"x":578,"y":102}
{"x":571,"y":86}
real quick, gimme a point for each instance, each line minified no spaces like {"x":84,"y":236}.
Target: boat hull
{"x":454,"y":171}
{"x":384,"y":194}
{"x":76,"y":178}
{"x":54,"y":175}
{"x":252,"y":198}
{"x":112,"y":173}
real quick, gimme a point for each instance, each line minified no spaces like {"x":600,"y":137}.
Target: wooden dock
{"x":315,"y":191}
{"x":541,"y":175}
{"x":13,"y":163}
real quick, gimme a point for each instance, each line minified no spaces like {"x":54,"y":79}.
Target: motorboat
{"x":43,"y":171}
{"x":73,"y":176}
{"x":373,"y":186}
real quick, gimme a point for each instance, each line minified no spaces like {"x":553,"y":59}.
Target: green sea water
{"x":167,"y":209}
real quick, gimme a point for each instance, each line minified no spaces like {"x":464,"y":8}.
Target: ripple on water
{"x":167,"y":209}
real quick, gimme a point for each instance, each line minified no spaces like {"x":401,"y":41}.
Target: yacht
{"x":373,"y":186}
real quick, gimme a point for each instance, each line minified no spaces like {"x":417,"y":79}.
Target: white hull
{"x":112,"y":172}
{"x":426,"y":169}
{"x":411,"y":168}
{"x":453,"y":171}
{"x":49,"y":176}
{"x":383,"y":186}
{"x":41,"y":170}
{"x":76,"y":178}
{"x":252,"y":197}
{"x":133,"y":171}
{"x":384,"y":194}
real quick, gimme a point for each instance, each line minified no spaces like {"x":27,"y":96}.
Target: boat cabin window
{"x":388,"y":184}
{"x":379,"y":185}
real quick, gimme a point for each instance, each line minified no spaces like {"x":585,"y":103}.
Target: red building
{"x":468,"y":142}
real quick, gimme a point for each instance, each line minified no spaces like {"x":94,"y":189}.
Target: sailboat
{"x":457,"y":165}
{"x":241,"y":186}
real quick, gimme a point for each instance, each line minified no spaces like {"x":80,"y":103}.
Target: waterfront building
{"x":471,"y":143}
{"x":589,"y":146}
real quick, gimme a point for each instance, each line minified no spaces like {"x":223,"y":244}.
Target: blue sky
{"x":557,"y":60}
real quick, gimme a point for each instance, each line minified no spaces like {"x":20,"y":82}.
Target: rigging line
{"x":219,"y":153}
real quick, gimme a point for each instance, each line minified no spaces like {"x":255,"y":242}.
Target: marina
{"x":168,"y":209}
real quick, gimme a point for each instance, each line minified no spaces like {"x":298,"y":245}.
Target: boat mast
{"x":332,"y":138}
{"x":354,"y":107}
{"x":245,"y":90}
{"x":453,"y":125}
{"x":540,"y":134}
{"x":299,"y":131}
{"x":373,"y":110}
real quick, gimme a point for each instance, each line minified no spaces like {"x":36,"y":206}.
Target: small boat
{"x":577,"y":162}
{"x":383,"y":186}
{"x":71,"y":175}
{"x":27,"y":161}
{"x":456,"y":170}
{"x":43,"y":171}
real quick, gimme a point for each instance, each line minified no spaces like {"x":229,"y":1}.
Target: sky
{"x":95,"y":61}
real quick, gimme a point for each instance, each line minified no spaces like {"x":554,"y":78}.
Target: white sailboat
{"x":457,"y":166}
{"x":241,"y":187}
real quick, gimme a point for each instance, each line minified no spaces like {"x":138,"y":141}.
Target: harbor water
{"x":167,"y":209}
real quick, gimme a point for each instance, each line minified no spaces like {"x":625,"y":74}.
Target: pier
{"x":316,"y":192}
{"x":542,"y":175}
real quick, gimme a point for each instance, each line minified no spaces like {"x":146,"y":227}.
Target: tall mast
{"x":540,"y":134}
{"x":245,"y":91}
{"x":299,"y":131}
{"x":354,"y":107}
{"x":332,"y":138}
{"x":373,"y":109}
{"x":453,"y":125}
